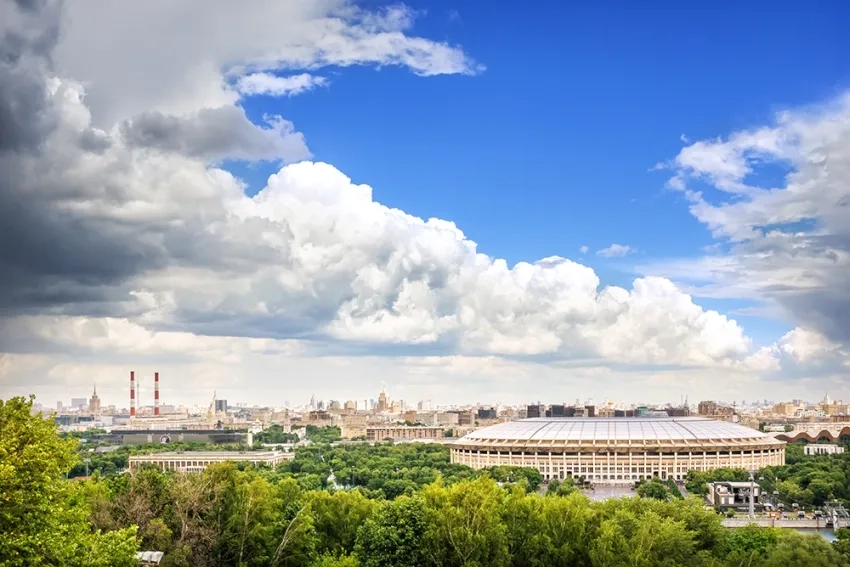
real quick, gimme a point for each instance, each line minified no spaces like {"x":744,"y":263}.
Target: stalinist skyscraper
{"x":94,"y":402}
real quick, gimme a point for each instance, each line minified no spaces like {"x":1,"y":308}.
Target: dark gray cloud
{"x":28,"y":33}
{"x":216,"y":133}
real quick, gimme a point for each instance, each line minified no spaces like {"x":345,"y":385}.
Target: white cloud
{"x":192,"y":50}
{"x":615,"y":251}
{"x":584,"y":249}
{"x":163,"y":254}
{"x":268,"y":84}
{"x":786,"y":236}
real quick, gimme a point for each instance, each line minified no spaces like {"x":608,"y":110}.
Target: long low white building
{"x":196,"y":461}
{"x":618,"y":450}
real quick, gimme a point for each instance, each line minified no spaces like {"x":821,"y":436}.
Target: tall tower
{"x":156,"y":393}
{"x":132,"y":394}
{"x":383,"y":401}
{"x":94,"y":402}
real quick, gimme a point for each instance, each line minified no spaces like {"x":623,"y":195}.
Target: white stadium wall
{"x":618,"y":450}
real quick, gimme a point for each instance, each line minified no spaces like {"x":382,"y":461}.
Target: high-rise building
{"x":536,"y":410}
{"x":59,"y":405}
{"x":486,"y":413}
{"x":558,"y":410}
{"x":221,"y":406}
{"x":383,"y":402}
{"x":94,"y":402}
{"x":79,"y":403}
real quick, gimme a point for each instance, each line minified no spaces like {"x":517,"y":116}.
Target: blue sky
{"x":551,"y":147}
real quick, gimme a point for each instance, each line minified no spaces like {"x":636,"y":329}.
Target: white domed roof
{"x":595,"y":429}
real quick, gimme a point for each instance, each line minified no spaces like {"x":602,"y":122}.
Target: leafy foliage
{"x":410,"y":507}
{"x":43,"y":518}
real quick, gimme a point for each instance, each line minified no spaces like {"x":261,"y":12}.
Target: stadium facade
{"x":618,"y":450}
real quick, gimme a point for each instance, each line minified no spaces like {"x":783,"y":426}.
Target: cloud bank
{"x":127,"y":243}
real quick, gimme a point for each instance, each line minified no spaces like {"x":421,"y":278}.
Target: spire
{"x":95,"y":389}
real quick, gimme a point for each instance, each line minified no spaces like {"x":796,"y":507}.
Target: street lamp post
{"x":752,"y":496}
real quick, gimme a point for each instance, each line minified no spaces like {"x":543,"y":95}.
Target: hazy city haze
{"x":320,"y":196}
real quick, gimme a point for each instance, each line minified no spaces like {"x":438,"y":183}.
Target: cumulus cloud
{"x":126,"y":240}
{"x":615,"y":251}
{"x":216,"y":133}
{"x":783,"y":214}
{"x":269,"y":84}
{"x":202,"y":46}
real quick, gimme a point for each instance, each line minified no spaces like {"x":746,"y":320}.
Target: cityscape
{"x":424,"y":283}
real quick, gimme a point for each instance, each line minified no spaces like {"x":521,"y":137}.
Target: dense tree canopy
{"x":43,"y":519}
{"x":389,"y":506}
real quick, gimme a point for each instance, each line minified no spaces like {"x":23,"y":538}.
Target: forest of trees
{"x":443,"y":516}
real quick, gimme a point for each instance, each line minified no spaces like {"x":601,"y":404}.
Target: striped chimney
{"x":132,"y":394}
{"x":156,"y":393}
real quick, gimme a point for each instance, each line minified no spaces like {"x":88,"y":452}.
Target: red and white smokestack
{"x":132,"y":394}
{"x":156,"y":393}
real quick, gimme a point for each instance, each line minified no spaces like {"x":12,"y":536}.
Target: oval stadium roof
{"x":588,"y":430}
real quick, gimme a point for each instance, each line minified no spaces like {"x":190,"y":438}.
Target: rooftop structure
{"x":612,"y":450}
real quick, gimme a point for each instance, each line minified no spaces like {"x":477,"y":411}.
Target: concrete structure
{"x":823,"y":449}
{"x":132,"y":394}
{"x":812,"y":432}
{"x":734,"y":495}
{"x":156,"y":393}
{"x":403,"y":432}
{"x":618,"y":450}
{"x":197,"y":461}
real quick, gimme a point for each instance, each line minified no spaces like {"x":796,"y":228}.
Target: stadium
{"x":618,"y":450}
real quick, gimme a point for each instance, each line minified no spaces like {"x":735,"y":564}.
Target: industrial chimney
{"x":132,"y":394}
{"x":156,"y":393}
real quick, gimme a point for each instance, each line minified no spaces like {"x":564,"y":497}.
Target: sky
{"x":467,"y":203}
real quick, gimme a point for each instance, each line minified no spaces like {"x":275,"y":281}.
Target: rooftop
{"x":655,"y":429}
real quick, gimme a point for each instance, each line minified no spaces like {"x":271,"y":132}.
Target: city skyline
{"x":383,"y":400}
{"x":317,"y":198}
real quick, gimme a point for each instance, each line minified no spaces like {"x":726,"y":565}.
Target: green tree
{"x":337,"y":517}
{"x":653,"y":489}
{"x":804,"y":551}
{"x":43,"y":521}
{"x":464,"y":527}
{"x":393,"y":535}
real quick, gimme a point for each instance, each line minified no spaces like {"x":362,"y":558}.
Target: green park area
{"x":368,"y":505}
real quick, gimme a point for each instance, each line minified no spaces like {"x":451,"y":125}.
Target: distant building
{"x":466,"y":417}
{"x":383,"y":402}
{"x":94,"y":402}
{"x":535,"y":411}
{"x":221,"y":406}
{"x":197,"y":461}
{"x":404,"y":432}
{"x":823,"y":449}
{"x":487,"y":413}
{"x":79,"y":403}
{"x":715,"y":410}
